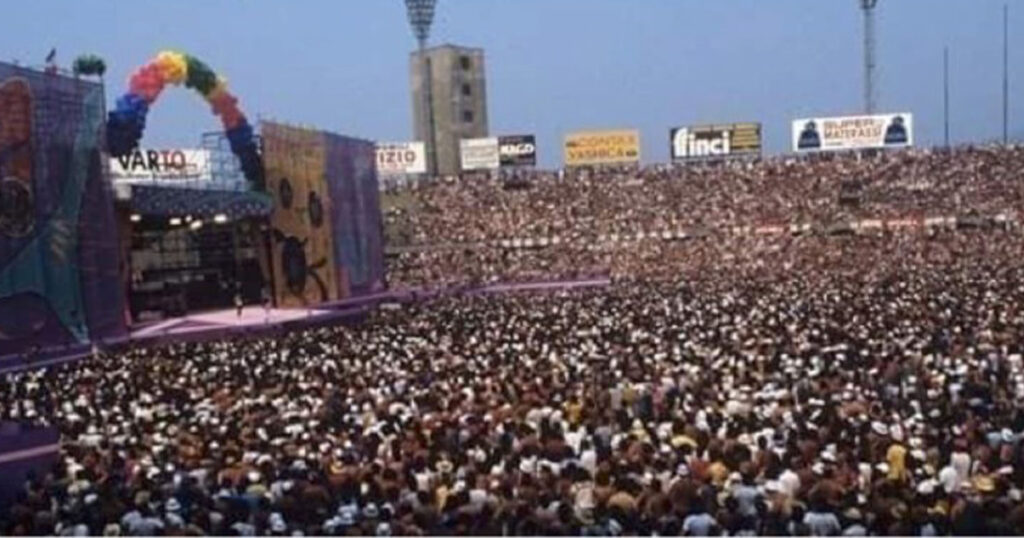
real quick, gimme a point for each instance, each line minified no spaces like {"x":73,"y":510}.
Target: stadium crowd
{"x":853,"y":385}
{"x":778,"y":190}
{"x":449,"y":232}
{"x":726,"y":383}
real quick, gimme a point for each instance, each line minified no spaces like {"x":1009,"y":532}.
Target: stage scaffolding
{"x":187,"y":255}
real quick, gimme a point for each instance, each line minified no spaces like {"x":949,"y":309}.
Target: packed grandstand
{"x":792,"y":346}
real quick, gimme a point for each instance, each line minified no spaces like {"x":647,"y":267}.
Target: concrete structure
{"x":459,"y":94}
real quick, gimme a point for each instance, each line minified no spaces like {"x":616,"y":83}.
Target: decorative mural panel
{"x":60,"y":277}
{"x":303,"y":263}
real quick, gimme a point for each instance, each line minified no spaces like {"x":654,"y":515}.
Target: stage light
{"x":196,"y":224}
{"x":175,"y":221}
{"x":136,"y":217}
{"x":188,"y":218}
{"x":220,"y":219}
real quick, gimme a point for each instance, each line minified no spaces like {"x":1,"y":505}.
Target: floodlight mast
{"x":421,"y":16}
{"x":868,"y":7}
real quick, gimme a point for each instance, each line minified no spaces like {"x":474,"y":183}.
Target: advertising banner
{"x":602,"y":147}
{"x":853,"y":132}
{"x":478,"y":153}
{"x":167,"y":165}
{"x":517,"y":150}
{"x":397,"y":158}
{"x":707,"y":142}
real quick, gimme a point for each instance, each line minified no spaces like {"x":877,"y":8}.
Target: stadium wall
{"x":60,"y":274}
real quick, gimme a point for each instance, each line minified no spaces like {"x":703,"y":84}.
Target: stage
{"x":217,"y":324}
{"x":255,"y":321}
{"x":251,"y":317}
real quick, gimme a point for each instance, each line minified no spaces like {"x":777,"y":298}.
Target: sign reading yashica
{"x":602,"y":147}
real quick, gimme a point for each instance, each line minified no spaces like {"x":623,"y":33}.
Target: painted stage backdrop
{"x":303,"y":266}
{"x":326,"y":223}
{"x":59,"y":254}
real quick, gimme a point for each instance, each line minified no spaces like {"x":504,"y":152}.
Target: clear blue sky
{"x":552,"y":65}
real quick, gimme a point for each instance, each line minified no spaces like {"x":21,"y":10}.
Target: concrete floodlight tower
{"x":421,"y":16}
{"x":868,"y":7}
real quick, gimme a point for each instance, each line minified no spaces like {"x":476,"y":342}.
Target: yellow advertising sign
{"x":602,"y":147}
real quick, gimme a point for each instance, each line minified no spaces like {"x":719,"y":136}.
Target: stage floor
{"x":252,"y":316}
{"x":195,"y":327}
{"x":255,"y":320}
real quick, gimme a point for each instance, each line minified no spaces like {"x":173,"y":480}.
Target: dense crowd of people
{"x":847,"y":385}
{"x":450,"y":231}
{"x":586,"y":204}
{"x":721,"y":383}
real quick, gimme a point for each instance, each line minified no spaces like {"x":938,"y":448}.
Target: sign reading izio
{"x":397,"y":158}
{"x":168,"y":165}
{"x":478,"y":153}
{"x":707,"y":142}
{"x":853,"y":132}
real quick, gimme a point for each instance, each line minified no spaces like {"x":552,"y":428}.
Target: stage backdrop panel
{"x":355,"y":215}
{"x":59,"y":252}
{"x":303,"y":262}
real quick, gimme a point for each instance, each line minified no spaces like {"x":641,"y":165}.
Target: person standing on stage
{"x":266,"y":305}
{"x":238,"y":302}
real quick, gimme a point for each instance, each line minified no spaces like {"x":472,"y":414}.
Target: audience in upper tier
{"x":562,"y":226}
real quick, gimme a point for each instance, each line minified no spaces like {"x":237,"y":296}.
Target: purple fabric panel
{"x":355,"y":215}
{"x":14,"y":439}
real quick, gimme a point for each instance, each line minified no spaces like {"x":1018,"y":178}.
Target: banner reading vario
{"x":478,"y":153}
{"x":706,"y":142}
{"x":602,"y":147}
{"x":397,"y":158}
{"x":853,"y":132}
{"x":169,"y":165}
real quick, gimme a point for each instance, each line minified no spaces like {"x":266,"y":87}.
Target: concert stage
{"x":251,"y":317}
{"x":217,"y":324}
{"x":255,"y":321}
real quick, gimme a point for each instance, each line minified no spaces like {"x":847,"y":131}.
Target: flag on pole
{"x":51,"y":64}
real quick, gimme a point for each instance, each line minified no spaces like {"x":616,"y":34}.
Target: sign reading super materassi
{"x":709,"y":142}
{"x":853,"y":132}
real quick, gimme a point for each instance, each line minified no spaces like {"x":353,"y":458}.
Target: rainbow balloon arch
{"x":127,"y":121}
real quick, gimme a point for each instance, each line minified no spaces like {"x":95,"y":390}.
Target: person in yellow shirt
{"x":896,"y":457}
{"x":574,"y":410}
{"x":718,"y":472}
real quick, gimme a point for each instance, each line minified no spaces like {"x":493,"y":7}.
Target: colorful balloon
{"x":127,"y":121}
